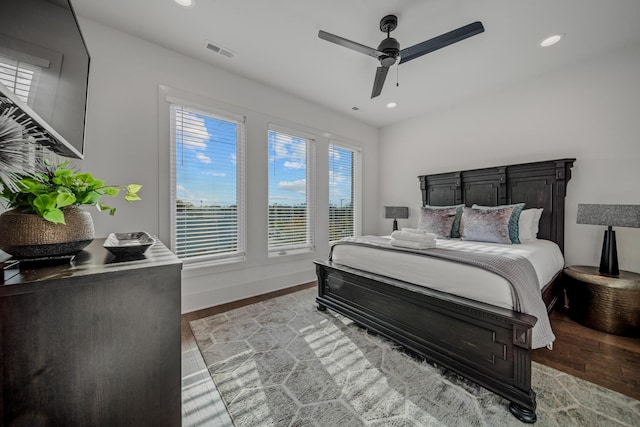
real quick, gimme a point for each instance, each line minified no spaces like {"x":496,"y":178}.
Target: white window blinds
{"x":344,"y":194}
{"x":291,"y":195}
{"x":208,"y":184}
{"x":19,"y":77}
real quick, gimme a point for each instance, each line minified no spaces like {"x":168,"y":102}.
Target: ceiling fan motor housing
{"x":391,"y":48}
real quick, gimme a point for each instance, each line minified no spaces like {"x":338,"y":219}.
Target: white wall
{"x":590,"y":111}
{"x":127,"y":143}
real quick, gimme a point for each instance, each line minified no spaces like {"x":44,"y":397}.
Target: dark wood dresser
{"x":93,"y":343}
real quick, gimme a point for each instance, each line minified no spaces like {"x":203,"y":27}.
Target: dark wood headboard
{"x":538,"y":185}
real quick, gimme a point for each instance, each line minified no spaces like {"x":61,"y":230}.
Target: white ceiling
{"x":276,"y":43}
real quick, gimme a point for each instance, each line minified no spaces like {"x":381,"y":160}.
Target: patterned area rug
{"x":283,"y":363}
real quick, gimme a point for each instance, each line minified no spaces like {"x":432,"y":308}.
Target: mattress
{"x":451,"y":277}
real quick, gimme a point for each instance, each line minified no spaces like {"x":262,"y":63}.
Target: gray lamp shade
{"x":396,"y":212}
{"x":609,"y":215}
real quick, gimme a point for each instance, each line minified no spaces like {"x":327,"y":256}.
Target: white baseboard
{"x":217,"y":295}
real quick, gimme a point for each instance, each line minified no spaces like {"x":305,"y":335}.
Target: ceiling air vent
{"x":219,"y":49}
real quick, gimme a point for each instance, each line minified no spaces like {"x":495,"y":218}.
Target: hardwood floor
{"x":608,"y":360}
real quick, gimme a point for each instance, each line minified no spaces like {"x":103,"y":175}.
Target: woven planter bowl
{"x":30,"y":236}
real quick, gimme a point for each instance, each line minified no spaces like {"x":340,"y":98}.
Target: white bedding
{"x":447,"y":276}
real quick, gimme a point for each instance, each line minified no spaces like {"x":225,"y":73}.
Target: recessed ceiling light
{"x":392,"y":105}
{"x":185,"y":3}
{"x":551,"y":40}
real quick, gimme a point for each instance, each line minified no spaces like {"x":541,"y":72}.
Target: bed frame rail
{"x":487,"y":345}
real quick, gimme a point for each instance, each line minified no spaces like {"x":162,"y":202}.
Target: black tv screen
{"x":44,"y":68}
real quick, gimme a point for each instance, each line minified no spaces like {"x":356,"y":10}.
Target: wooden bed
{"x":484,"y":343}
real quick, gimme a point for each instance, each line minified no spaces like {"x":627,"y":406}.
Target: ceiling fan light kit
{"x":184,"y":3}
{"x":389,"y":51}
{"x":551,"y":40}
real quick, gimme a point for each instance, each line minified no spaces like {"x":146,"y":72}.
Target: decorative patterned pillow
{"x":515,"y":217}
{"x":455,"y":229}
{"x":487,"y":225}
{"x":437,"y":220}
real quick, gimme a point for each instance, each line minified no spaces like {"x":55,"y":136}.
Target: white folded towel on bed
{"x":418,"y":231}
{"x":412,"y":245}
{"x":414,"y":237}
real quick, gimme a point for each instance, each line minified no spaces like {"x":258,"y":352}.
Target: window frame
{"x":241,"y":147}
{"x":49,"y":65}
{"x":356,"y":184}
{"x":309,"y":245}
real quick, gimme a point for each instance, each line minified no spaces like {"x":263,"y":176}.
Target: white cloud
{"x":299,"y":186}
{"x":194,"y":133}
{"x":203,"y":158}
{"x":334,"y":154}
{"x":188,"y":196}
{"x":298,"y":151}
{"x":214,"y":173}
{"x":281,"y":144}
{"x":293,"y":165}
{"x":336,"y":178}
{"x":233,"y":159}
{"x":289,"y":148}
{"x":281,"y":148}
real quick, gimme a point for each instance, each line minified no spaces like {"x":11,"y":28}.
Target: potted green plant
{"x":45,"y":217}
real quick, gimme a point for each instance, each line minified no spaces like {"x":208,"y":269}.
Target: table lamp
{"x":396,"y":212}
{"x":609,"y":215}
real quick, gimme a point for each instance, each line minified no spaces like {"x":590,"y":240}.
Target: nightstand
{"x":608,"y":304}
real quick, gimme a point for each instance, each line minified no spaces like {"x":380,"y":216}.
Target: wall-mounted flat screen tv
{"x":44,"y":68}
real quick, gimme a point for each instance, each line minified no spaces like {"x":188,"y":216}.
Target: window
{"x":290,"y":190}
{"x":207,"y":184}
{"x":33,"y":74}
{"x":19,"y":77}
{"x":343,"y":192}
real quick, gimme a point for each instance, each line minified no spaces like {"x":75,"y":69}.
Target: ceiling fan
{"x":388,"y":50}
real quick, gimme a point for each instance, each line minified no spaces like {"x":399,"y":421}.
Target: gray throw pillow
{"x":437,"y":220}
{"x":487,"y":225}
{"x":455,"y":229}
{"x":514,"y":234}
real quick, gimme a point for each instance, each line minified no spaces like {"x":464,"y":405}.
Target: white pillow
{"x":528,"y":223}
{"x":536,"y":222}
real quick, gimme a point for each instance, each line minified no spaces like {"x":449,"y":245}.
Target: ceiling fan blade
{"x":349,"y":44}
{"x":441,"y":41}
{"x":381,"y":75}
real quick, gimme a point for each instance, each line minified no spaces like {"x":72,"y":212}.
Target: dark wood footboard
{"x":486,"y":344}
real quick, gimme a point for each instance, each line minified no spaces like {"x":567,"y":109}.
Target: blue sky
{"x":287,"y":169}
{"x":206,"y":164}
{"x":340,"y":170}
{"x":205,"y":160}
